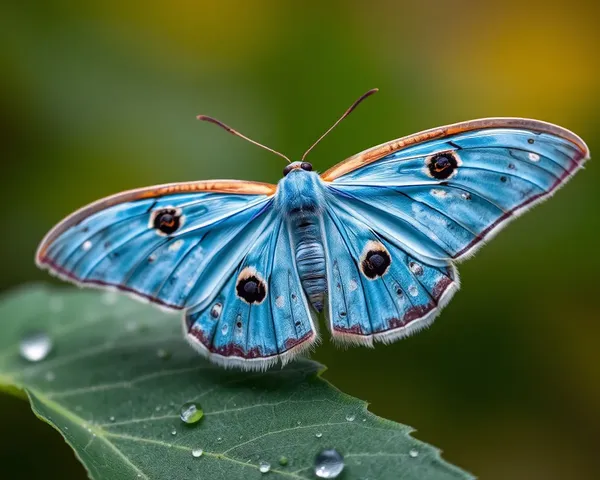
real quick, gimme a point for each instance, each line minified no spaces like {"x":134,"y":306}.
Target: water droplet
{"x":414,"y":453}
{"x":35,"y":346}
{"x":163,"y":354}
{"x":466,"y":195}
{"x":190,"y":413}
{"x":197,"y":452}
{"x":219,"y":439}
{"x":318,"y":434}
{"x":224,"y":329}
{"x":283,"y":461}
{"x":364,"y":419}
{"x":298,"y":422}
{"x":329,"y":464}
{"x":350,"y":417}
{"x":413,"y":290}
{"x":264,"y":467}
{"x":86,"y":245}
{"x":112,"y":419}
{"x":173,"y":432}
{"x":50,"y":376}
{"x":158,"y":407}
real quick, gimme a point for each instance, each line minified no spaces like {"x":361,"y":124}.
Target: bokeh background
{"x":100,"y":96}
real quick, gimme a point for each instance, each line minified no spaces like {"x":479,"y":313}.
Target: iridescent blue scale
{"x":373,"y":241}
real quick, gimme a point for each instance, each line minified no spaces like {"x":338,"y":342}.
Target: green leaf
{"x":118,"y":373}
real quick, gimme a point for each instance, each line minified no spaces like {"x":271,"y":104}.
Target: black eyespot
{"x":251,"y":289}
{"x":441,"y":166}
{"x":503,"y":179}
{"x":530,"y":141}
{"x":288,"y":169}
{"x":167,"y":220}
{"x":306,"y":166}
{"x":376,"y":263}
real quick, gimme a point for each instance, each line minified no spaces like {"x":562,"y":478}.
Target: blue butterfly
{"x":373,"y":241}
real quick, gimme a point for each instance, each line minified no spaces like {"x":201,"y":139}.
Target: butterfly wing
{"x":431,"y":199}
{"x":184,"y":246}
{"x":261,"y":315}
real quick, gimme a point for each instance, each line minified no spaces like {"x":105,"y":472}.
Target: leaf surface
{"x":119,"y":372}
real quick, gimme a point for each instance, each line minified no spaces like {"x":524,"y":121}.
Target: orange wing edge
{"x":240,"y":187}
{"x":375,"y":153}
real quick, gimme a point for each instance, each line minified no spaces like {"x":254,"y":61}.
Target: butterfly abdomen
{"x":310,"y":257}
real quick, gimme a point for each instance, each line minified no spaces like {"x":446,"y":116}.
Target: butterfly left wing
{"x":429,"y":200}
{"x":216,"y":249}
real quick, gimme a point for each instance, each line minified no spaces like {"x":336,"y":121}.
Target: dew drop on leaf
{"x":350,"y":417}
{"x":318,"y":434}
{"x":329,"y":464}
{"x":173,"y":432}
{"x":264,"y":467}
{"x":190,"y":413}
{"x":283,"y":461}
{"x":35,"y":346}
{"x":414,"y":453}
{"x":112,"y":419}
{"x":197,"y":452}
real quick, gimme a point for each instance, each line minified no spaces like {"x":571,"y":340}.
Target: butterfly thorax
{"x":300,"y":199}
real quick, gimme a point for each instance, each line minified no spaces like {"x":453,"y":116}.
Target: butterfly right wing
{"x":379,"y":302}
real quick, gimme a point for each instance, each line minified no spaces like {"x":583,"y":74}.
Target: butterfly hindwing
{"x":377,"y":291}
{"x":261,"y":315}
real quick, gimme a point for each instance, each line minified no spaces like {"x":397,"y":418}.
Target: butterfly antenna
{"x":206,"y":118}
{"x":346,"y":113}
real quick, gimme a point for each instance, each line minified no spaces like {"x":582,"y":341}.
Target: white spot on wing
{"x":279,"y":301}
{"x":352,"y":285}
{"x":534,"y":157}
{"x":86,"y":245}
{"x":176,"y":246}
{"x":439,"y":193}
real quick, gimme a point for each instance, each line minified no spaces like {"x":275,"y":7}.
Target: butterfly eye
{"x":443,"y":165}
{"x":288,"y":169}
{"x":306,"y":166}
{"x":167,"y":220}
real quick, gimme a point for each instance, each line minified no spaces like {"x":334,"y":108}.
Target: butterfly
{"x":372,"y":242}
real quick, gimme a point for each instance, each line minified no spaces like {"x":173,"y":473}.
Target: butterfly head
{"x":307,"y":167}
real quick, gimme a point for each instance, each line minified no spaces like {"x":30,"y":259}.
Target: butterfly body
{"x":372,"y":242}
{"x":300,"y":197}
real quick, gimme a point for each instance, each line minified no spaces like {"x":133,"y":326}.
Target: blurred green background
{"x":101,"y":97}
